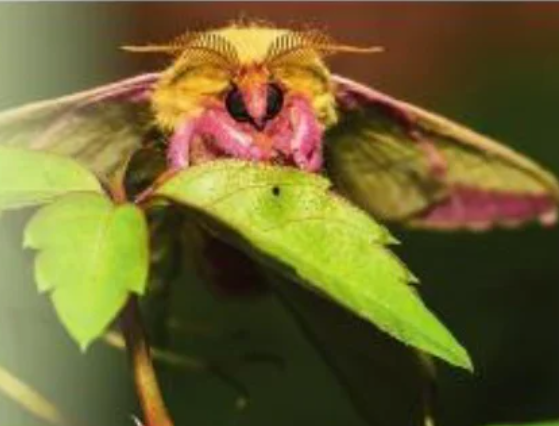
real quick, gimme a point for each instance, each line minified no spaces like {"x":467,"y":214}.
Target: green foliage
{"x":31,"y":177}
{"x":318,"y":238}
{"x":92,"y":254}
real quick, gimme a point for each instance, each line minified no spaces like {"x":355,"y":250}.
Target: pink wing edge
{"x":132,"y":89}
{"x":129,"y":90}
{"x":466,"y":207}
{"x":135,"y":89}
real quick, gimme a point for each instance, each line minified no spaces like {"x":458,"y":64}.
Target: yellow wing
{"x":405,"y":164}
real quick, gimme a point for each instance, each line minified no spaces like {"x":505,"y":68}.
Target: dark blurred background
{"x":494,"y":67}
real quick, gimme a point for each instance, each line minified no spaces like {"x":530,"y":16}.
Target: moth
{"x":260,"y":93}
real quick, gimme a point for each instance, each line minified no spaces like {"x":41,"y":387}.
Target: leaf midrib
{"x":257,"y":234}
{"x":99,"y":241}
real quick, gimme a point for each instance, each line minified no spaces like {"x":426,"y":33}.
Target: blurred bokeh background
{"x":494,"y":67}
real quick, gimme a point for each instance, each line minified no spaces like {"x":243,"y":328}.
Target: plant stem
{"x":147,"y":388}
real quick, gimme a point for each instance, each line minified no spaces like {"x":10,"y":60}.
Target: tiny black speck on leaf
{"x":276,"y":191}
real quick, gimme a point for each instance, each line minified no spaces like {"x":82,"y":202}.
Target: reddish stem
{"x":148,"y":192}
{"x":145,"y":380}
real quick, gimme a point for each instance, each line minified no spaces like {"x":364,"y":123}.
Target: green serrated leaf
{"x":319,"y":238}
{"x":92,"y":254}
{"x":33,"y":177}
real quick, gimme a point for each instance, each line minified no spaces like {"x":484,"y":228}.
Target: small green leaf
{"x":33,"y":177}
{"x":319,"y":238}
{"x":92,"y":253}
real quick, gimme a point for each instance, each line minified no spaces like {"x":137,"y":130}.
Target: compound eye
{"x":236,"y":105}
{"x":274,"y":101}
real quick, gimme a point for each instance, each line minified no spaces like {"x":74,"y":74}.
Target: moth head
{"x":253,"y":96}
{"x":250,"y":69}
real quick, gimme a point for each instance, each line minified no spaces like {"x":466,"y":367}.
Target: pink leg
{"x":228,"y":135}
{"x":303,"y":142}
{"x":306,"y":143}
{"x":178,"y":153}
{"x":218,"y":125}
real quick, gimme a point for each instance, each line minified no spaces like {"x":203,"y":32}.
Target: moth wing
{"x":98,"y":127}
{"x":405,"y":164}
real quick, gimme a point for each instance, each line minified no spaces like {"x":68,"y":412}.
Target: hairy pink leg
{"x":225,"y":132}
{"x":306,"y":142}
{"x":299,"y":136}
{"x":179,"y":145}
{"x":228,"y":135}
